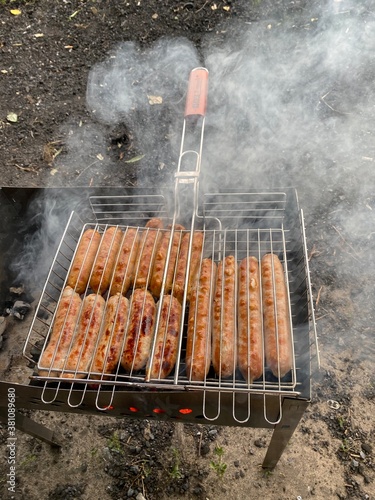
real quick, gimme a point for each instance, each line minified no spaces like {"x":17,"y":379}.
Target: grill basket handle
{"x":196,"y":99}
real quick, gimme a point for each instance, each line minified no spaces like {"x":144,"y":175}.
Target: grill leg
{"x":292,"y":411}
{"x":27,"y":425}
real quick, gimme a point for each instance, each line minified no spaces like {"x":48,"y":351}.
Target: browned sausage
{"x":105,"y":260}
{"x":167,"y":337}
{"x":90,"y":320}
{"x":182,"y":261}
{"x":158,"y":271}
{"x":224,"y":318}
{"x":62,"y":333}
{"x":249,"y":335}
{"x":198,"y":346}
{"x":147,"y":251}
{"x":123,"y":274}
{"x":277,"y":334}
{"x":140,"y":330}
{"x":84,"y":257}
{"x":108,"y":352}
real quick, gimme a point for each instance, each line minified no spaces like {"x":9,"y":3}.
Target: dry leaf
{"x":53,"y":171}
{"x":16,"y":12}
{"x":12,"y":117}
{"x":154,"y":99}
{"x":136,"y":158}
{"x":226,"y":7}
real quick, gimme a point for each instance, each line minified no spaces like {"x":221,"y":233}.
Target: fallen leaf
{"x":136,"y":158}
{"x":226,"y":7}
{"x":12,"y":117}
{"x":53,"y":171}
{"x":155,"y":99}
{"x":15,"y":12}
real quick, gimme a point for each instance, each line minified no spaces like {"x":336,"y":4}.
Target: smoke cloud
{"x":291,"y":103}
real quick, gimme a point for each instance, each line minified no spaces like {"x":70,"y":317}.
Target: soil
{"x":92,"y":94}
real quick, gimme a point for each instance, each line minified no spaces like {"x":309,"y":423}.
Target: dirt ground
{"x":92,"y":94}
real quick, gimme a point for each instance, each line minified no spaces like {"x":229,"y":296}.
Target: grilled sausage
{"x":105,"y":260}
{"x":140,"y":330}
{"x":182,"y":261}
{"x":224,"y":318}
{"x":198,"y":346}
{"x":249,"y":335}
{"x":277,"y":334}
{"x":147,"y":251}
{"x":108,"y":352}
{"x":158,"y":271}
{"x":123,"y":274}
{"x":62,"y":333}
{"x":84,"y":257}
{"x":167,"y":336}
{"x":90,"y":320}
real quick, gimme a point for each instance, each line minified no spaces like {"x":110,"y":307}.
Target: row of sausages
{"x":118,"y":259}
{"x":228,"y":330}
{"x":231,"y":307}
{"x":92,"y":335}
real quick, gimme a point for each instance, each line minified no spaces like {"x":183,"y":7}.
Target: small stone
{"x":83,"y":467}
{"x":259,"y":443}
{"x":3,"y":324}
{"x":366,"y":448}
{"x":205,"y":449}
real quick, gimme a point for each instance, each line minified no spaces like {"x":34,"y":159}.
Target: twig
{"x":321,"y":317}
{"x":344,"y":240}
{"x":200,"y":444}
{"x":26,"y":169}
{"x":318,"y":296}
{"x":88,"y":166}
{"x":330,"y":107}
{"x":313,"y":252}
{"x":203,"y":6}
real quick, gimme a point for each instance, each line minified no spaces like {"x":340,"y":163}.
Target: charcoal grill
{"x":239,"y":223}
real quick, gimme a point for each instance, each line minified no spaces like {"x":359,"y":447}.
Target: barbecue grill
{"x":233,"y":222}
